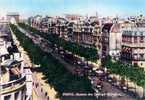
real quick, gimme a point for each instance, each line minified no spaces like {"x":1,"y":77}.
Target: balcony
{"x":137,"y":45}
{"x":12,"y":85}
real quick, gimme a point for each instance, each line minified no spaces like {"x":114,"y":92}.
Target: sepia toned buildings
{"x":133,"y":46}
{"x":110,"y":36}
{"x":13,"y":75}
{"x":75,"y":28}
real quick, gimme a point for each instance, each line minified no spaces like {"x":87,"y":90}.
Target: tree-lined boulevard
{"x":56,"y":74}
{"x":88,"y":53}
{"x":105,"y":84}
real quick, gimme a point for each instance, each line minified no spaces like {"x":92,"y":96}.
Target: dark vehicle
{"x":79,"y":71}
{"x":92,"y":73}
{"x":60,"y":51}
{"x":122,"y":85}
{"x":70,"y":58}
{"x":100,"y":73}
{"x":110,"y":79}
{"x":88,"y":68}
{"x":97,"y":83}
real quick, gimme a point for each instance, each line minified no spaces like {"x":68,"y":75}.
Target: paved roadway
{"x":107,"y":88}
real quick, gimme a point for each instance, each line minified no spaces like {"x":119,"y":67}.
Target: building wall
{"x":16,"y":95}
{"x":133,"y":46}
{"x":105,"y":44}
{"x":115,"y":40}
{"x":139,"y":63}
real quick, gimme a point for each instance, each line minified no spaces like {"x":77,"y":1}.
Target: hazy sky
{"x":59,"y":7}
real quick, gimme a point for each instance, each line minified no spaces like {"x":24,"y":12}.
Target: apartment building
{"x":14,"y":84}
{"x":133,"y":46}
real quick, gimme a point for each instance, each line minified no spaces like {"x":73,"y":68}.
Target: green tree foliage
{"x":55,"y":73}
{"x":134,"y":73}
{"x":88,"y":53}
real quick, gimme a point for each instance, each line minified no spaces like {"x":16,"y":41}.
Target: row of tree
{"x":55,"y":73}
{"x":134,"y":73}
{"x":88,"y":53}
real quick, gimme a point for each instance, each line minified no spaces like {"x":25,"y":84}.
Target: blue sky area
{"x":84,"y":7}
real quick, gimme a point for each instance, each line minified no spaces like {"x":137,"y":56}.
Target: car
{"x":100,"y":73}
{"x":114,"y":81}
{"x":97,"y":83}
{"x":109,"y":79}
{"x":92,"y":73}
{"x":80,"y":63}
{"x":79,"y":71}
{"x":61,"y":52}
{"x":125,"y":88}
{"x":87,"y":67}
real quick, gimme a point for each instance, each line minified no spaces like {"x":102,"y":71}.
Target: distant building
{"x":62,"y":27}
{"x":36,"y":22}
{"x":86,"y":32}
{"x":45,"y":24}
{"x":72,"y":17}
{"x":13,"y":17}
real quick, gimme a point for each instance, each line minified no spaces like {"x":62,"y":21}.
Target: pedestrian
{"x":37,"y":85}
{"x":48,"y":98}
{"x":41,"y":90}
{"x":45,"y":93}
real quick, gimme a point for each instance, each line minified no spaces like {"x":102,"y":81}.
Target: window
{"x":135,"y":63}
{"x":123,"y":39}
{"x":141,"y":33}
{"x":16,"y":95}
{"x":135,"y":39}
{"x":141,"y":39}
{"x":8,"y":97}
{"x":141,"y":64}
{"x":135,"y":56}
{"x":141,"y":56}
{"x":129,"y":39}
{"x":135,"y":33}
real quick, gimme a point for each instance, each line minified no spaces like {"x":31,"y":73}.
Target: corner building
{"x":133,"y":46}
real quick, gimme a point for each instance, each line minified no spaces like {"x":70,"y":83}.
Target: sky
{"x":84,"y":7}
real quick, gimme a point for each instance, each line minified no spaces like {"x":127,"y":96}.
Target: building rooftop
{"x":115,"y":28}
{"x":107,"y":26}
{"x":135,"y":31}
{"x":13,"y":14}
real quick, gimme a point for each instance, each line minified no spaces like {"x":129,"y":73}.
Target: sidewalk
{"x":34,"y":96}
{"x":46,"y":88}
{"x":132,"y":86}
{"x":50,"y":91}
